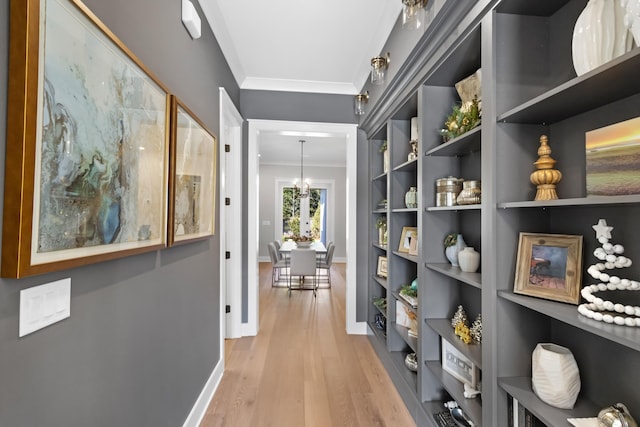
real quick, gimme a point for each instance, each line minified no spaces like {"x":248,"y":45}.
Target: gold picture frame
{"x":549,"y":266}
{"x":405,"y":238}
{"x":192,"y":177}
{"x":87,"y":141}
{"x":382,"y":267}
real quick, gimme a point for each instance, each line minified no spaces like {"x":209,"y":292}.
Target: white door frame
{"x":349,"y":132}
{"x":328,"y":184}
{"x":230,"y":219}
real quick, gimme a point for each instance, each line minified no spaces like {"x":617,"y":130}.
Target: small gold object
{"x":545,"y":177}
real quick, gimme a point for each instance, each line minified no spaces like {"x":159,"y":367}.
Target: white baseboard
{"x":358,"y":328}
{"x":248,"y":330}
{"x":200,"y":407}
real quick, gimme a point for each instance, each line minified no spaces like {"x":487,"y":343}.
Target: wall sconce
{"x":191,"y":19}
{"x":413,"y":14}
{"x":361,"y":100}
{"x":379,"y":65}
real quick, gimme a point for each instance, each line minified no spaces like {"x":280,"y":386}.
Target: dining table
{"x":289,"y":245}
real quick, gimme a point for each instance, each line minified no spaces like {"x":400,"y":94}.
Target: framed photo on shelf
{"x":458,"y":365}
{"x":408,"y":233}
{"x":549,"y":266}
{"x":382,"y":267}
{"x":413,"y":245}
{"x":87,"y":138}
{"x":192,"y":177}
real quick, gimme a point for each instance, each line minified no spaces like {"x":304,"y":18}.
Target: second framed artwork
{"x":192,"y":177}
{"x":549,"y":266}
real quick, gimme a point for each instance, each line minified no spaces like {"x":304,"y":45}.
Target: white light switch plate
{"x":44,"y":305}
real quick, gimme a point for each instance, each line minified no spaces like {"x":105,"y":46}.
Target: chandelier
{"x":304,"y":186}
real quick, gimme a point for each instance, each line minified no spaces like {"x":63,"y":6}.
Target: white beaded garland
{"x":597,"y":308}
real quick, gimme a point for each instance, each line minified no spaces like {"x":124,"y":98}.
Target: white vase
{"x":469,"y":260}
{"x":554,"y":375}
{"x":451,"y":252}
{"x":632,"y":17}
{"x":385,"y":161}
{"x":599,"y":35}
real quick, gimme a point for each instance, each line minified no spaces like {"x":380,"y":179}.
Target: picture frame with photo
{"x":458,"y":365}
{"x":405,"y":238}
{"x":549,"y":266}
{"x":382,"y":267}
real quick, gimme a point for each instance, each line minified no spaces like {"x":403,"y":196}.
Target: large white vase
{"x":600,"y":35}
{"x":632,"y":17}
{"x":555,"y":375}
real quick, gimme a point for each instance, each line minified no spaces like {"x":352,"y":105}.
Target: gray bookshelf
{"x":529,"y":89}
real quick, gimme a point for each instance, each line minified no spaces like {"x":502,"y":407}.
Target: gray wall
{"x":143,"y":335}
{"x":268,"y":189}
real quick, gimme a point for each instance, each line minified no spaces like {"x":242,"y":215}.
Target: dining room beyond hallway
{"x":302,"y":369}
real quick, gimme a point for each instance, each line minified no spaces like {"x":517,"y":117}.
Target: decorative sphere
{"x":608,"y":305}
{"x":618,"y":320}
{"x":607,"y":318}
{"x":602,"y":239}
{"x":601,"y":287}
{"x":618,"y":249}
{"x":604,"y":277}
{"x":608,"y":247}
{"x":611,"y":286}
{"x":614,"y":279}
{"x":611,"y":258}
{"x":630,"y":321}
{"x":619,"y":308}
{"x":598,"y":316}
{"x":629,"y":310}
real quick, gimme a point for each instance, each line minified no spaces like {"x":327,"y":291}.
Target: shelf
{"x":410,"y":377}
{"x":404,"y":334}
{"x":473,"y":279}
{"x":464,"y":144}
{"x":382,"y":176}
{"x":443,"y":328}
{"x":566,"y":313}
{"x":412,"y":258}
{"x":381,"y":336}
{"x":613,"y":81}
{"x":520,"y":389}
{"x":471,"y":407}
{"x":580,"y":201}
{"x":453,"y":208}
{"x":379,"y":246}
{"x":384,"y":313}
{"x":382,"y":281}
{"x":404,"y":210}
{"x":397,"y":296}
{"x":408,"y":166}
{"x":379,"y":211}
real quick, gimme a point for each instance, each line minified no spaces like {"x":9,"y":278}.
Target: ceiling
{"x":317,"y":46}
{"x":320,"y":46}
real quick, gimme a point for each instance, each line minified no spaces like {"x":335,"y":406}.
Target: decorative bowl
{"x":303,"y":244}
{"x":411,"y":362}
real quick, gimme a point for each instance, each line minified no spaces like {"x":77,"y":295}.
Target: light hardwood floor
{"x":302,"y":369}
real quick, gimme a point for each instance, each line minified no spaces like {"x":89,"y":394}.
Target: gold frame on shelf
{"x":382,"y":267}
{"x":405,"y":238}
{"x":87,"y":141}
{"x":549,"y":266}
{"x":192,"y":177}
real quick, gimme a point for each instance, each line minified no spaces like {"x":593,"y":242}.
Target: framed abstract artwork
{"x":549,"y":266}
{"x":192,"y":177}
{"x":87,"y":144}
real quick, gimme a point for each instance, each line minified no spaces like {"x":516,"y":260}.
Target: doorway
{"x":313,"y":216}
{"x":302,"y":129}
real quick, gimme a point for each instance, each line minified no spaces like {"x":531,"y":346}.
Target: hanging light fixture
{"x":379,"y":65}
{"x":361,"y":100}
{"x":304,"y":186}
{"x":413,"y":14}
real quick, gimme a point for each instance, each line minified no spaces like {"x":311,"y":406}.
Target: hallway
{"x":303,"y":369}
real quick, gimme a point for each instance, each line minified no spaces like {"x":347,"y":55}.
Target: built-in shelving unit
{"x":503,"y":38}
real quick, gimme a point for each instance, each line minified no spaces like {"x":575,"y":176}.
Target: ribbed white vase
{"x":600,"y":35}
{"x":555,"y":375}
{"x":632,"y":17}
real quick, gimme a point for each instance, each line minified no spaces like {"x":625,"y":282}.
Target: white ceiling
{"x":318,"y":46}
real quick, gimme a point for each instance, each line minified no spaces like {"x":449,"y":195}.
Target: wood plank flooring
{"x":302,"y":369}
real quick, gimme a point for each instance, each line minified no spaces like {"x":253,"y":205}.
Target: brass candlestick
{"x":545,"y":177}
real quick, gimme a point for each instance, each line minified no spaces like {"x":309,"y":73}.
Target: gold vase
{"x":545,"y":177}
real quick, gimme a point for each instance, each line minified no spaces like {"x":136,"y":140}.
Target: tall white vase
{"x":600,"y":35}
{"x":555,"y":375}
{"x":469,"y":260}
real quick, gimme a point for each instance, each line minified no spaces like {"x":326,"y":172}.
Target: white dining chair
{"x":302,"y":263}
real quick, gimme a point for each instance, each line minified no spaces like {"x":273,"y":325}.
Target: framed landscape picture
{"x":192,"y":176}
{"x":87,"y":135}
{"x":613,"y":159}
{"x":549,"y":266}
